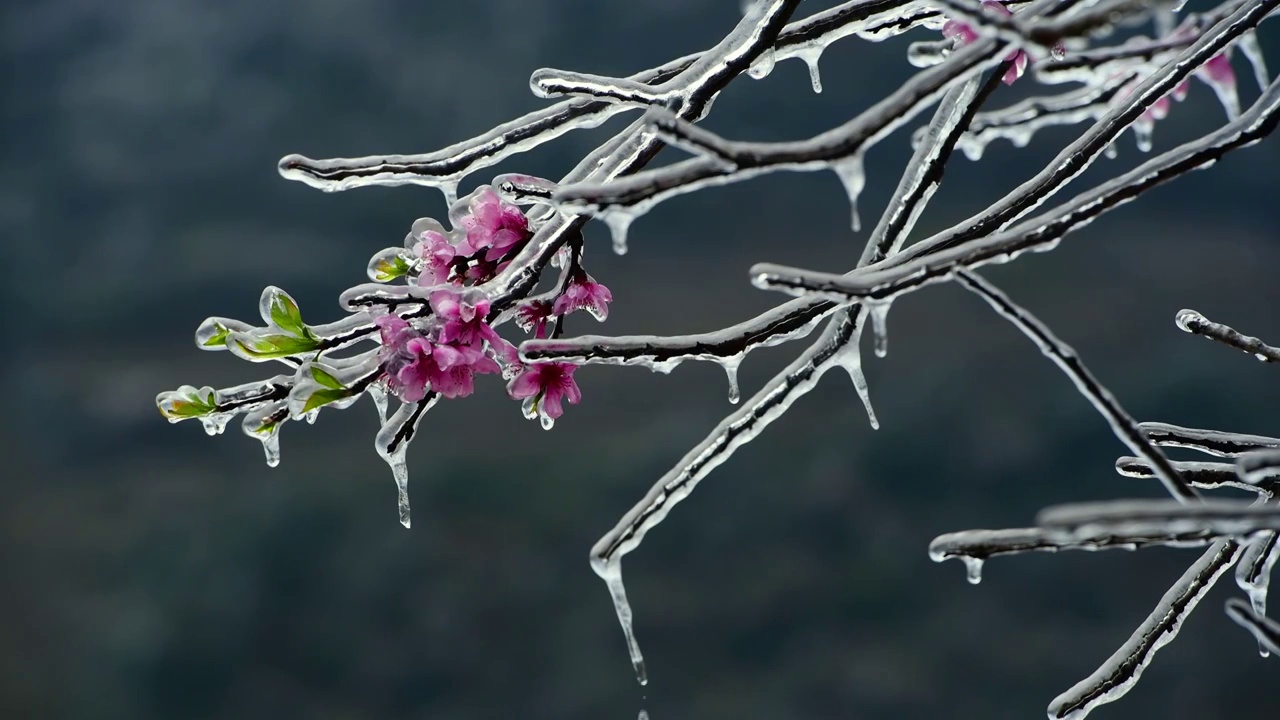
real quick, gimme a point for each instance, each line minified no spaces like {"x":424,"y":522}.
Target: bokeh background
{"x":150,"y":572}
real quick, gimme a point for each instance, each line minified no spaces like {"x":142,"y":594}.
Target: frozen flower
{"x":422,"y":365}
{"x":584,"y":293}
{"x":464,"y":317}
{"x":1217,"y":71}
{"x":493,"y":225}
{"x":963,"y":33}
{"x":533,"y":316}
{"x":437,"y":255}
{"x":545,"y":386}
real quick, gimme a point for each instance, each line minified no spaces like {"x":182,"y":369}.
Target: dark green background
{"x":151,"y":572}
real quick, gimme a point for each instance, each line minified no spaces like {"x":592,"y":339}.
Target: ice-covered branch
{"x":1210,"y":442}
{"x":974,"y":547}
{"x":1197,"y":324}
{"x":1203,"y":475}
{"x":1259,"y":466}
{"x":444,"y":168}
{"x":1122,"y":670}
{"x":1083,"y":521}
{"x":890,"y":278}
{"x":1266,"y":630}
{"x":1124,"y":426}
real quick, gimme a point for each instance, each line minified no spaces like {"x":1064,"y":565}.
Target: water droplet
{"x":1186,"y":318}
{"x":763,"y":65}
{"x":548,"y":422}
{"x":973,"y":569}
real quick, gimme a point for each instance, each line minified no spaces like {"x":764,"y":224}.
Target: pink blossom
{"x":584,"y":293}
{"x":964,"y":34}
{"x":437,"y":255}
{"x":493,"y":225}
{"x":445,"y":369}
{"x":549,"y":384}
{"x":533,"y":316}
{"x":464,"y":316}
{"x":1218,"y":72}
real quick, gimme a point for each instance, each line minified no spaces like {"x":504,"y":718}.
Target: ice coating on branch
{"x":1120,"y":672}
{"x":763,"y":65}
{"x":1266,"y":630}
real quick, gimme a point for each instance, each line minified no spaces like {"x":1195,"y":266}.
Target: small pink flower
{"x":548,"y":384}
{"x":584,"y":293}
{"x":445,"y":369}
{"x":533,"y":316}
{"x":493,"y":225}
{"x":437,"y":255}
{"x":964,"y":34}
{"x":1218,"y":71}
{"x":394,"y":331}
{"x":464,"y":317}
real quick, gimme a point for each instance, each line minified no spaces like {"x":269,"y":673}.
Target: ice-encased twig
{"x":1266,"y":630}
{"x":1084,"y":521}
{"x":1210,"y":442}
{"x":887,"y":279}
{"x":1203,"y":475}
{"x":1020,"y":121}
{"x":1197,"y":324}
{"x":1253,"y":573}
{"x":1118,"y":674}
{"x":1124,"y":426}
{"x":1259,"y":466}
{"x":979,"y":545}
{"x":444,"y":168}
{"x":761,"y":24}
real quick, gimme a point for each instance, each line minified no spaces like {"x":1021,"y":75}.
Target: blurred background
{"x":151,"y":572}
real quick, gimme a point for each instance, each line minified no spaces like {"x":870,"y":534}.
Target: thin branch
{"x":1197,"y":324}
{"x":1124,"y":426}
{"x":1210,"y":442}
{"x":1118,"y":674}
{"x":1203,"y":475}
{"x":1266,"y":630}
{"x":1084,"y":521}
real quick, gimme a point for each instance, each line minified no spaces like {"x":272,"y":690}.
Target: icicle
{"x":972,"y":568}
{"x":1229,"y":98}
{"x":379,"y":396}
{"x":611,"y":573}
{"x":310,"y":417}
{"x":763,"y":65}
{"x":879,"y":313}
{"x":810,"y":55}
{"x":850,"y":358}
{"x":215,"y":424}
{"x":1253,"y":573}
{"x":1111,"y":152}
{"x":851,"y":175}
{"x":730,"y":366}
{"x":1142,"y":133}
{"x":547,"y":421}
{"x":1252,"y":51}
{"x":450,"y":190}
{"x":618,"y":221}
{"x":271,"y":447}
{"x":400,"y":471}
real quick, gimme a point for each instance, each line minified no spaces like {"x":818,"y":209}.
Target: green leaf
{"x":286,"y":316}
{"x":219,"y":337}
{"x":186,"y":403}
{"x":323,"y":397}
{"x":277,"y":346}
{"x":326,"y":379}
{"x":391,"y":268}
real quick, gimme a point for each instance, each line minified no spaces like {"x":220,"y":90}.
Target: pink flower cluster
{"x":446,"y":351}
{"x":487,"y":234}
